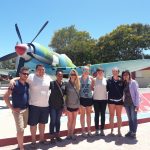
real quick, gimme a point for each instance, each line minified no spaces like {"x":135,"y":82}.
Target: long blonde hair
{"x":77,"y":81}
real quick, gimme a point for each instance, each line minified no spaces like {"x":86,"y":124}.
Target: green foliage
{"x":126,"y":42}
{"x":8,"y":64}
{"x":78,"y":45}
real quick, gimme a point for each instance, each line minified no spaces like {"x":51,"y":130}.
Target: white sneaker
{"x":97,"y":132}
{"x":90,"y":134}
{"x":102,"y":133}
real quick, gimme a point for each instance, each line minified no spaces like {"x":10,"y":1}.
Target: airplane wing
{"x":8,"y":56}
{"x":131,"y":65}
{"x":19,"y":63}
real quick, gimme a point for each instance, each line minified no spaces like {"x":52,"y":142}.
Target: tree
{"x":124,"y":43}
{"x":78,"y":45}
{"x":8,"y":64}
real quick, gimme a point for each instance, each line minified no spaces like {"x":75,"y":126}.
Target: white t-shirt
{"x":100,"y":92}
{"x":39,"y":90}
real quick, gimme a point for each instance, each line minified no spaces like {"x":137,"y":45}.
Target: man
{"x":39,"y":84}
{"x":38,"y":103}
{"x":19,"y":106}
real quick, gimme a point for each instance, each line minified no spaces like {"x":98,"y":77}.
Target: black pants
{"x":100,"y":109}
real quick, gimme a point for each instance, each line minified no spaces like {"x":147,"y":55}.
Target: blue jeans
{"x":132,"y":116}
{"x":54,"y":126}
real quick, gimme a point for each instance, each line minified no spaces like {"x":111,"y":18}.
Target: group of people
{"x":36,"y":96}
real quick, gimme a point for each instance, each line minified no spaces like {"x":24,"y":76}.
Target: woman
{"x":100,"y":100}
{"x":115,"y":101}
{"x":131,"y":102}
{"x":56,"y":105}
{"x":86,"y":101}
{"x":72,"y":102}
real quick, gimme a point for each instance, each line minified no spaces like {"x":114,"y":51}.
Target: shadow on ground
{"x":108,"y":138}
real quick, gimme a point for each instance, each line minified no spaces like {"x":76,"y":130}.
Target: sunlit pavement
{"x":7,"y":130}
{"x":97,"y":142}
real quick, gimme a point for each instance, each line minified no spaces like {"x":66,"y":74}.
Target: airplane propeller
{"x":40,"y":31}
{"x":20,"y":65}
{"x":21,"y":48}
{"x":22,"y":60}
{"x":18,"y":33}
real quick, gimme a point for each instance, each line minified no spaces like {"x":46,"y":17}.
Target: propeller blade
{"x":9,"y":56}
{"x":21,"y":64}
{"x":40,"y":30}
{"x":30,"y":54}
{"x":18,"y":33}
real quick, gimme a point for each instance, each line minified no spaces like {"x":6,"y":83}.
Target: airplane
{"x":31,"y":54}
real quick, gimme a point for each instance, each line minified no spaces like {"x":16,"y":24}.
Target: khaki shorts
{"x":21,"y":119}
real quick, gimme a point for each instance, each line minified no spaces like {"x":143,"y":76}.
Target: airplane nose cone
{"x":20,"y":49}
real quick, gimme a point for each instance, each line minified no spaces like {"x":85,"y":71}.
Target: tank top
{"x":85,"y":89}
{"x":100,"y":92}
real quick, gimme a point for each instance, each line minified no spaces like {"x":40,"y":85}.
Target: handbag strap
{"x":75,"y":90}
{"x":59,"y":89}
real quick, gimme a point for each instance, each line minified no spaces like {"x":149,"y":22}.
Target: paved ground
{"x":97,"y":142}
{"x":7,"y":130}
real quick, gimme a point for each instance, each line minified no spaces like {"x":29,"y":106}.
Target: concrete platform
{"x":99,"y":143}
{"x":8,"y":132}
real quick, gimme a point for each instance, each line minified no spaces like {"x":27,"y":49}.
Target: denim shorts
{"x":38,"y":115}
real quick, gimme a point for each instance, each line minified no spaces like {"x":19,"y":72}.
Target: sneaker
{"x":133,"y":135}
{"x":97,"y":132}
{"x":119,"y":134}
{"x":128,"y":134}
{"x":52,"y":141}
{"x":84,"y":134}
{"x":33,"y":145}
{"x":17,"y":148}
{"x":69,"y":137}
{"x":73,"y":137}
{"x":44,"y":142}
{"x":90,"y":134}
{"x":59,"y":139}
{"x":102,"y":133}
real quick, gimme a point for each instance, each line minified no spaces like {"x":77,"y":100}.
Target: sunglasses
{"x":84,"y":71}
{"x":73,"y":74}
{"x":26,"y":74}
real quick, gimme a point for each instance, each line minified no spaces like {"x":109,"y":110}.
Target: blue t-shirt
{"x":20,"y":95}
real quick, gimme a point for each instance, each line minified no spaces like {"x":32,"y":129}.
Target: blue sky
{"x":98,"y":17}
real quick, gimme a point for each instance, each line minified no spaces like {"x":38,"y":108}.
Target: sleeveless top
{"x":85,"y":89}
{"x":100,"y":91}
{"x":20,"y":95}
